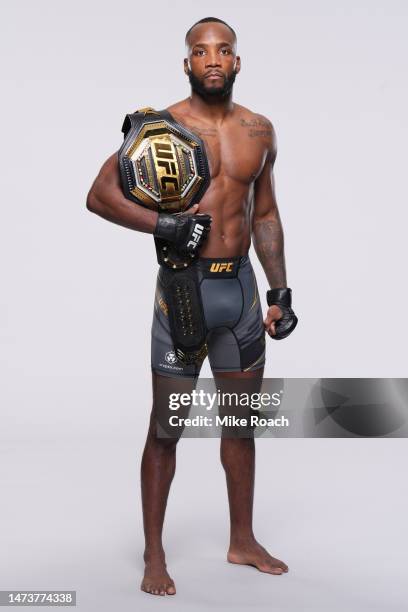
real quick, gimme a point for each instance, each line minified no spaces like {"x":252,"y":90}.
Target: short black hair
{"x":209,"y":20}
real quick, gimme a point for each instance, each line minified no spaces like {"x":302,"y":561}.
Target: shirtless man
{"x":241,"y":149}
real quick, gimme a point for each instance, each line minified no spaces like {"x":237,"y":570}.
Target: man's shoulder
{"x":178,"y":107}
{"x":258,"y":126}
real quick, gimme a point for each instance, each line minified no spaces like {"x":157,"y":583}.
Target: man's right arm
{"x":106,"y":199}
{"x":187,"y":231}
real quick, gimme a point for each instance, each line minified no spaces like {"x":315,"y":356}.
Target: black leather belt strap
{"x":186,"y":316}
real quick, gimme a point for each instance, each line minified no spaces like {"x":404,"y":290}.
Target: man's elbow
{"x":92,"y":203}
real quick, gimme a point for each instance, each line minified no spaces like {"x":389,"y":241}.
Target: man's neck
{"x":213,"y":108}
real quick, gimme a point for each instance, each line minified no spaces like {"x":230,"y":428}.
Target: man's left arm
{"x":268,"y":240}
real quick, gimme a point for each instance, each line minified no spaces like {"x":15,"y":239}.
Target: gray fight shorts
{"x":233,"y":317}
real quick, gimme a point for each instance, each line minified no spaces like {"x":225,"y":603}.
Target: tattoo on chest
{"x":257,"y":127}
{"x":203,"y":131}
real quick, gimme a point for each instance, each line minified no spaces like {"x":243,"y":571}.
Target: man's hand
{"x":187,"y":231}
{"x":280,"y":319}
{"x":274,"y":314}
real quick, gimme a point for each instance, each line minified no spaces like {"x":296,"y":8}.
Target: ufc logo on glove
{"x":197,"y":233}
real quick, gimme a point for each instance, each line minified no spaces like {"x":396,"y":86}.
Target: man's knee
{"x":161,"y":435}
{"x":165,"y":391}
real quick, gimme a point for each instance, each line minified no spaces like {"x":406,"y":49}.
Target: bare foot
{"x":156,"y":579}
{"x":250,"y":552}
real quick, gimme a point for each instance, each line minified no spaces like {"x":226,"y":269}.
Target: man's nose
{"x":213,"y":59}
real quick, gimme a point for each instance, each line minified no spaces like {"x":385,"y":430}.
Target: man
{"x":240,"y":201}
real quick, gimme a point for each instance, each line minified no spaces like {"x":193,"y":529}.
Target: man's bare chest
{"x":233,"y":152}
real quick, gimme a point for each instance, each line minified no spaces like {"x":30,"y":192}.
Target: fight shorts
{"x":233,"y":318}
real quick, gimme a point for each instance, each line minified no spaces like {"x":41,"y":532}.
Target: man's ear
{"x":186,"y":66}
{"x":237,"y":64}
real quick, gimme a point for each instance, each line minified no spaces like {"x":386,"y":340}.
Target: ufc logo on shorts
{"x":221,"y":267}
{"x":196,"y":235}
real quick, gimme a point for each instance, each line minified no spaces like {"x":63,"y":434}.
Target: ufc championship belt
{"x":163,"y":166}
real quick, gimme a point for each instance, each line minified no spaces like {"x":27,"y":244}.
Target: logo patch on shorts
{"x":170,"y":357}
{"x":225,"y":266}
{"x":219,"y":267}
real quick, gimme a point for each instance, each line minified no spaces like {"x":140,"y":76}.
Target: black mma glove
{"x":288,"y":322}
{"x":186,"y":232}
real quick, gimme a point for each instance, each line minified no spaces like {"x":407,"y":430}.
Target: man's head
{"x":211,"y":63}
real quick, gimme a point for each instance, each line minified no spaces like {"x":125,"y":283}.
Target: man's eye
{"x":225,"y":51}
{"x":200,"y":52}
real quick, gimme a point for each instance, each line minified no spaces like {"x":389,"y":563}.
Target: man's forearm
{"x":117,"y":209}
{"x":106,"y":199}
{"x":267,"y":235}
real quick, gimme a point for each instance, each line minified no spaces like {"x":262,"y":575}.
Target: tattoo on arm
{"x":259,"y":133}
{"x":269,"y":246}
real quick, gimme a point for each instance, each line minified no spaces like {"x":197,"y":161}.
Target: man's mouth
{"x":213,"y":74}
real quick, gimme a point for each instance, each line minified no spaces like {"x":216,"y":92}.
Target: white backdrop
{"x":77,"y":292}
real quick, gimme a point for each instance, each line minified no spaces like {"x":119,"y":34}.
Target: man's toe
{"x":272,"y":569}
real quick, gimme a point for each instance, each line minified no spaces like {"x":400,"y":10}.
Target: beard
{"x":198,"y":86}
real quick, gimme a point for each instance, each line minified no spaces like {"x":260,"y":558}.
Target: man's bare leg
{"x":238,"y":460}
{"x":157,"y":471}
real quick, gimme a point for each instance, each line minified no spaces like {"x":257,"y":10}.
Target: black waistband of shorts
{"x":221,"y":267}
